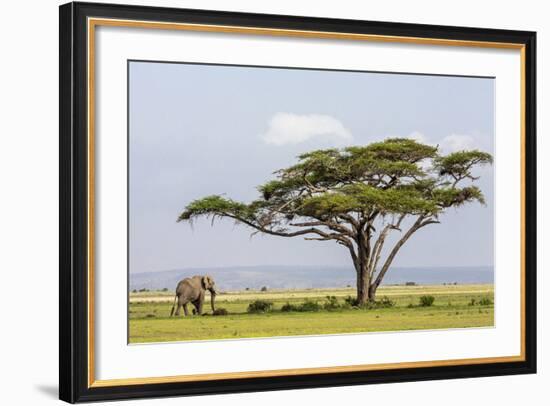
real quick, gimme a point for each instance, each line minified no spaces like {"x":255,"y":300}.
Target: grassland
{"x":455,"y":306}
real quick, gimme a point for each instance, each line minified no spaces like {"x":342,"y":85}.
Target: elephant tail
{"x":174,"y":305}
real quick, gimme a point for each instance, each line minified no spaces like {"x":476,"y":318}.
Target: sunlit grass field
{"x":455,"y":306}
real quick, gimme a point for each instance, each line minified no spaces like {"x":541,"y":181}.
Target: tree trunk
{"x":362,"y":285}
{"x":366,"y":290}
{"x":372,"y":292}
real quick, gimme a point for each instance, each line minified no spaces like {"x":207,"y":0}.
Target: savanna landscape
{"x":375,"y":173}
{"x":312,"y":312}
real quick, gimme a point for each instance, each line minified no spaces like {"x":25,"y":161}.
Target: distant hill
{"x":303,"y":277}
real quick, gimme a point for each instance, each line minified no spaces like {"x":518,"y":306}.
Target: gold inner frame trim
{"x":94,"y":22}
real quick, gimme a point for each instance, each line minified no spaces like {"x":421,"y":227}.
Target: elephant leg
{"x":200,"y":301}
{"x":185,"y":309}
{"x":196,"y":305}
{"x":178,"y":306}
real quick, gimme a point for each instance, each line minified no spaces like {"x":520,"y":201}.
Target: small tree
{"x":356,"y":196}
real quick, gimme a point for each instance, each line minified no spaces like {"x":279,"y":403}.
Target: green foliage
{"x":485,"y":301}
{"x":388,"y":177}
{"x":384,"y":303}
{"x":350,"y":301}
{"x":426,"y":300}
{"x":458,"y":165}
{"x":216,"y":205}
{"x":331,"y":303}
{"x":287,"y":307}
{"x":306,"y":306}
{"x":260,"y":306}
{"x":447,"y":197}
{"x":309,"y":306}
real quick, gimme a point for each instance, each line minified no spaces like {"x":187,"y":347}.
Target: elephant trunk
{"x":212,"y":296}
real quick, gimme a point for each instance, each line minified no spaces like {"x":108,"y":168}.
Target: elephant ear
{"x":205,"y":282}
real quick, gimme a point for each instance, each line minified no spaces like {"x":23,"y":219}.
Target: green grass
{"x":150,"y":321}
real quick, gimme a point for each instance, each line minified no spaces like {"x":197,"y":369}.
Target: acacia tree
{"x":357,"y":196}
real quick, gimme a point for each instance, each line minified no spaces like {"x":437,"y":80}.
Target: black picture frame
{"x":73,"y":283}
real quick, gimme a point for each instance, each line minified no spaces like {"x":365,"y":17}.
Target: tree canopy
{"x":356,"y":196}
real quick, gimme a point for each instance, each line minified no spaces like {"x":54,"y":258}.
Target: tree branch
{"x":416,"y":225}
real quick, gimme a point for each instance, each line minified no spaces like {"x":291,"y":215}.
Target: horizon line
{"x":305,"y":266}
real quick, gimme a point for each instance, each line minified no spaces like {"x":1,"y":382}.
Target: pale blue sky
{"x":197,"y":130}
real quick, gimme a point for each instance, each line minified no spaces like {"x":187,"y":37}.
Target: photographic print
{"x":263,"y":197}
{"x":269,"y":201}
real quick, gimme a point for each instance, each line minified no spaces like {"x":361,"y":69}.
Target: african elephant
{"x":193,"y":290}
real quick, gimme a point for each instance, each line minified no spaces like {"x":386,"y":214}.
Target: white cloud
{"x":289,"y":128}
{"x":419,"y":137}
{"x":448,"y":144}
{"x":456,"y":142}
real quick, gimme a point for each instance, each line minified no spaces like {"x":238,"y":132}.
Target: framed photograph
{"x":257,"y":202}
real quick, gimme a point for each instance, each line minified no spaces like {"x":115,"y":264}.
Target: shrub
{"x":379,"y":304}
{"x":485,"y":301}
{"x":410,"y":306}
{"x":309,"y":306}
{"x":220,"y":312}
{"x":472,"y":302}
{"x":144,"y":290}
{"x":259,"y":306}
{"x":263,"y":289}
{"x":384,"y":303}
{"x":134,"y":291}
{"x":410,"y":283}
{"x":287,"y":307}
{"x":150,"y":315}
{"x":350,"y":301}
{"x":331,"y":303}
{"x":165,"y":289}
{"x":427,"y":300}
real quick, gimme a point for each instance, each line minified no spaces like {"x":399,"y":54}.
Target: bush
{"x":379,"y":304}
{"x":263,"y":289}
{"x":350,"y":301}
{"x":165,"y":289}
{"x":410,"y":283}
{"x":307,"y":306}
{"x":289,"y":308}
{"x":220,"y":312}
{"x":472,"y":302}
{"x":259,"y":306}
{"x":310,"y":306}
{"x":331,"y":303}
{"x":485,"y":301}
{"x":384,"y":303}
{"x":427,"y":300}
